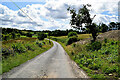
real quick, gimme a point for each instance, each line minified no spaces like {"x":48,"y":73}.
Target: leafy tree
{"x":70,"y":40}
{"x":41,"y":36}
{"x":103,"y":27}
{"x":112,"y":25}
{"x":29,"y":34}
{"x":83,"y":17}
{"x":13,"y":35}
{"x":118,"y":25}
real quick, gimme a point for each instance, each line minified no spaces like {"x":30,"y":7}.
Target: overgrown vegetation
{"x":16,"y":52}
{"x":98,"y":59}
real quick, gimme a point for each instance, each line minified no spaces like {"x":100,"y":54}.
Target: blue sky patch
{"x":12,"y":6}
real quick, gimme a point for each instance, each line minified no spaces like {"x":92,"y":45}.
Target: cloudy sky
{"x":52,"y":14}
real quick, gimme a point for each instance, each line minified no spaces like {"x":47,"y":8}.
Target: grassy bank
{"x":102,"y":63}
{"x":16,"y":52}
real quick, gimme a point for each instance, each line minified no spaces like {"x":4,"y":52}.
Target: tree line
{"x":11,"y":33}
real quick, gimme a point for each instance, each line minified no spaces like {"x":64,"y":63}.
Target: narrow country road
{"x":53,"y":63}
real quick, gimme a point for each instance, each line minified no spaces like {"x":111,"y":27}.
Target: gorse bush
{"x":70,"y":34}
{"x":70,"y":40}
{"x":94,"y":46}
{"x":19,"y":47}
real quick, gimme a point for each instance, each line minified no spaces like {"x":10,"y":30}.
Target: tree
{"x":83,"y":17}
{"x":13,"y":35}
{"x":118,"y":25}
{"x":41,"y":36}
{"x":29,"y":34}
{"x":103,"y":27}
{"x":112,"y":25}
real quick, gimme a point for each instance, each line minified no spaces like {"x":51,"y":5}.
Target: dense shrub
{"x":6,"y":37}
{"x":29,"y":35}
{"x":70,"y":40}
{"x":54,"y":39}
{"x":19,"y":47}
{"x":45,"y":35}
{"x":13,"y":35}
{"x":70,"y":34}
{"x":41,"y":36}
{"x":94,"y":46}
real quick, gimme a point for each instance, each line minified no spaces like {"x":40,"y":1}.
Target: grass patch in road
{"x":22,"y":51}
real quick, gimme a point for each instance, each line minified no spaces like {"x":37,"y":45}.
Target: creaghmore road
{"x":54,"y":63}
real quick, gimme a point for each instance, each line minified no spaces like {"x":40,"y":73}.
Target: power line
{"x":22,"y":11}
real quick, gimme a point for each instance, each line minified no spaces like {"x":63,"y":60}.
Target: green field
{"x":16,"y":52}
{"x":64,"y":38}
{"x":102,"y":63}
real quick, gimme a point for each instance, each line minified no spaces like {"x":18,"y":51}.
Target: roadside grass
{"x":98,"y":64}
{"x":22,"y":51}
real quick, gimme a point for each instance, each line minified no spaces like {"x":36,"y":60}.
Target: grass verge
{"x":102,"y":63}
{"x":20,"y":51}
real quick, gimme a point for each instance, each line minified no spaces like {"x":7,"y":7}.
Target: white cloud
{"x":53,"y":14}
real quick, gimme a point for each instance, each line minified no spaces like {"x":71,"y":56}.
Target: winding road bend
{"x":54,"y":63}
